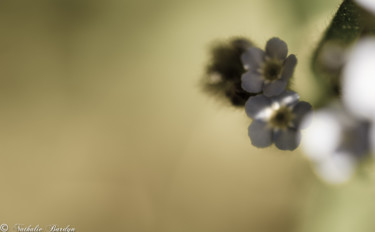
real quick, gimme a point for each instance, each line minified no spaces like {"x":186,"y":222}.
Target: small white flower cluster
{"x":344,"y":132}
{"x":276,"y":112}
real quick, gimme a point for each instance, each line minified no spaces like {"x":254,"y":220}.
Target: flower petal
{"x":300,"y":111}
{"x":287,"y":98}
{"x":252,"y":58}
{"x":252,"y":82}
{"x":260,"y":135}
{"x":358,"y":80}
{"x":288,"y":139}
{"x":256,"y":104}
{"x":274,"y":88}
{"x":288,"y":68}
{"x":276,"y":48}
{"x":336,"y":168}
{"x":324,"y":135}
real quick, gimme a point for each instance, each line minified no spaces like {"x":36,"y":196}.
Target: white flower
{"x":334,"y":142}
{"x":358,"y":85}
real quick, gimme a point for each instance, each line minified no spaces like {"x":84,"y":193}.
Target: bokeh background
{"x":104,"y":127}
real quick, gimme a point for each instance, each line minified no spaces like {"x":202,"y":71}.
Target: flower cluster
{"x":335,"y":142}
{"x":276,"y":111}
{"x":342,"y":133}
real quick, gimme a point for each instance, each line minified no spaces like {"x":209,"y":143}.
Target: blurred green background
{"x":104,"y":127}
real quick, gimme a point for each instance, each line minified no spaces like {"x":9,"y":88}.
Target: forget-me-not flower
{"x":276,"y":120}
{"x":268,"y":71}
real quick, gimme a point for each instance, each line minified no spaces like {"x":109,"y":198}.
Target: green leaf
{"x":328,"y":59}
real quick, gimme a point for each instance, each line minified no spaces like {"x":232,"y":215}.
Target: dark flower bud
{"x":223,"y":73}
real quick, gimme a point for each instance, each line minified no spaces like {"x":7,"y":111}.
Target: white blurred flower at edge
{"x":334,"y":141}
{"x":358,"y":87}
{"x":358,"y":81}
{"x":343,"y":132}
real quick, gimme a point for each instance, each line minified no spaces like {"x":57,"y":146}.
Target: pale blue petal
{"x":300,"y":111}
{"x":260,"y":135}
{"x":288,"y":67}
{"x":256,"y":104}
{"x":252,"y":82}
{"x":252,"y":58}
{"x":274,"y":88}
{"x":287,"y":98}
{"x":288,"y":139}
{"x":276,"y":48}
